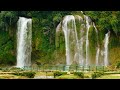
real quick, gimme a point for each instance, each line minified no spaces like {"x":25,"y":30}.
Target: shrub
{"x":0,"y":68}
{"x":72,"y":72}
{"x":80,"y":74}
{"x":5,"y":70}
{"x":16,"y":69}
{"x":58,"y":73}
{"x":86,"y":77}
{"x":27,"y":74}
{"x":118,"y":65}
{"x":97,"y":74}
{"x":16,"y":73}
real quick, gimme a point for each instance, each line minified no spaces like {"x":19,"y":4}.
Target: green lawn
{"x":9,"y":76}
{"x":111,"y":76}
{"x":87,"y":75}
{"x":44,"y":74}
{"x":71,"y":76}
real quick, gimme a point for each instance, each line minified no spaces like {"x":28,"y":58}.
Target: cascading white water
{"x":97,"y":56}
{"x":80,"y":41}
{"x":24,"y":36}
{"x":81,"y":60}
{"x":78,"y":33}
{"x":87,"y":39}
{"x":67,"y":31}
{"x":98,"y":48}
{"x":74,"y":45}
{"x":106,"y":41}
{"x":58,"y":27}
{"x":71,"y":36}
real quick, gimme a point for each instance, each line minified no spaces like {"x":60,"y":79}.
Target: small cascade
{"x":106,"y":41}
{"x":67,"y":30}
{"x":87,"y":39}
{"x":97,"y":56}
{"x":98,"y":47}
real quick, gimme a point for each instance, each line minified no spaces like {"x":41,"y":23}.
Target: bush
{"x":80,"y":74}
{"x":86,"y":77}
{"x":16,"y":69}
{"x":57,"y":73}
{"x":16,"y":73}
{"x":5,"y":70}
{"x":27,"y":74}
{"x":118,"y":65}
{"x":72,"y":72}
{"x":0,"y":68}
{"x":97,"y":74}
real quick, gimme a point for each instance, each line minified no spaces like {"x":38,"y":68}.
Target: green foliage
{"x":97,"y":74}
{"x":93,"y":38}
{"x":44,"y":25}
{"x":106,"y":20}
{"x":58,"y":73}
{"x":27,"y":74}
{"x":118,"y":64}
{"x":80,"y":74}
{"x":0,"y":68}
{"x":16,"y":69}
{"x":5,"y":70}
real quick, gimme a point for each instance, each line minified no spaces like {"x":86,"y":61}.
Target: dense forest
{"x":44,"y":25}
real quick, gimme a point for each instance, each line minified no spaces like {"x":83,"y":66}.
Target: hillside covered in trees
{"x":44,"y":25}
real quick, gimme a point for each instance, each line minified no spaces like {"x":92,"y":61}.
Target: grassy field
{"x":7,"y":74}
{"x":71,"y":76}
{"x":111,"y":76}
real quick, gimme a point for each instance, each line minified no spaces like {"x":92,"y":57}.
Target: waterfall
{"x":24,"y":36}
{"x":74,"y":41}
{"x":67,"y":30}
{"x":97,"y":56}
{"x":80,"y":41}
{"x":77,"y":31}
{"x":87,"y":40}
{"x":106,"y":41}
{"x":81,"y":60}
{"x":98,"y":47}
